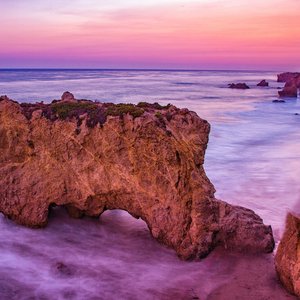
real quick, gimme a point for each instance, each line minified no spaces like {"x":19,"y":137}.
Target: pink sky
{"x":203,"y":34}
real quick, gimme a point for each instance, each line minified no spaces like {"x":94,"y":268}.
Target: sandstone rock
{"x":241,"y":86}
{"x":238,"y":226}
{"x":67,"y":96}
{"x":263,"y":83}
{"x":145,"y":159}
{"x":287,"y":259}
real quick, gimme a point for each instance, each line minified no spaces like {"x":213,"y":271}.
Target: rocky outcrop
{"x":287,"y":76}
{"x":263,"y":83}
{"x":289,"y":91}
{"x":287,"y":259}
{"x":146,"y":159}
{"x":292,"y":84}
{"x":241,"y":86}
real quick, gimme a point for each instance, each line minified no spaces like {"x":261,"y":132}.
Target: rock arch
{"x":145,"y":159}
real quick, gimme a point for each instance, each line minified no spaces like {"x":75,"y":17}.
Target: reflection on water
{"x":253,"y":160}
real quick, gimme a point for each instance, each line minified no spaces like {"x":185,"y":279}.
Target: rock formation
{"x":263,"y":83}
{"x":289,"y":91}
{"x":67,"y":96}
{"x":287,"y":260}
{"x":146,"y":159}
{"x":287,"y":76}
{"x":241,"y":86}
{"x":292,"y":84}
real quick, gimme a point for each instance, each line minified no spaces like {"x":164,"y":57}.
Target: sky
{"x":153,"y":34}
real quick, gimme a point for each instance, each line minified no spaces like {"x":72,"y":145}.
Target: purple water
{"x":253,"y":159}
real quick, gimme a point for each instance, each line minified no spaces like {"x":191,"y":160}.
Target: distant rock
{"x":67,"y":96}
{"x":146,"y":159}
{"x":241,"y":86}
{"x":263,"y":83}
{"x":278,"y":101}
{"x":287,"y":259}
{"x":287,"y":76}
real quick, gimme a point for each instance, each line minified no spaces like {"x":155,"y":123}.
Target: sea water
{"x":253,"y":160}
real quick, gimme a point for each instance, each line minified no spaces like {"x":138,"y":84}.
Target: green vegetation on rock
{"x":123,"y":109}
{"x":154,"y":105}
{"x":66,"y":110}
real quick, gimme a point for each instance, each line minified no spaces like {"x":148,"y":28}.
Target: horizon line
{"x":134,"y":69}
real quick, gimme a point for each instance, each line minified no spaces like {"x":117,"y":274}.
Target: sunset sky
{"x":198,"y":34}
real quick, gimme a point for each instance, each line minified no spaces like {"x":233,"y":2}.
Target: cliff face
{"x":145,"y":159}
{"x":287,"y":260}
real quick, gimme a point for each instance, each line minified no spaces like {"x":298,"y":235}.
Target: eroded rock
{"x":287,"y":259}
{"x":146,"y":159}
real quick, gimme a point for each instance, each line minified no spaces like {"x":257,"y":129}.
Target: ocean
{"x":253,"y":160}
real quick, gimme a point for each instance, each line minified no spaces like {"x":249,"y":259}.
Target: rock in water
{"x":263,"y":83}
{"x":240,"y":86}
{"x":287,"y":76}
{"x":292,"y":84}
{"x":146,"y":159}
{"x":290,"y":90}
{"x":287,"y":259}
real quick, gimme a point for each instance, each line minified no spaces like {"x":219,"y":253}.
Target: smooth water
{"x":253,"y":159}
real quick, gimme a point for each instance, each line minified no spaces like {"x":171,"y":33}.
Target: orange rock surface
{"x":287,"y":258}
{"x":147,"y":160}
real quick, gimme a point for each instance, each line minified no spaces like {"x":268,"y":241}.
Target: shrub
{"x":123,"y":109}
{"x":154,"y":105}
{"x":69,"y":110}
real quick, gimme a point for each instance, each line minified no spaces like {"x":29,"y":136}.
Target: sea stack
{"x":287,"y":258}
{"x":292,"y":84}
{"x":263,"y":83}
{"x":146,"y":159}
